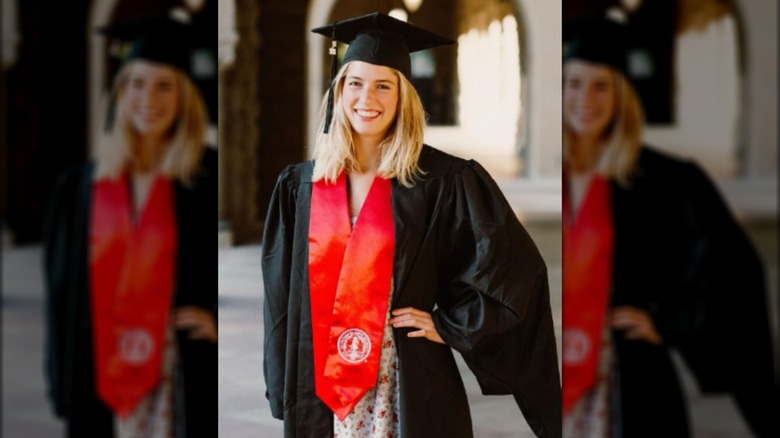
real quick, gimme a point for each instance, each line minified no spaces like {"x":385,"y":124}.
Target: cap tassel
{"x":333,"y":70}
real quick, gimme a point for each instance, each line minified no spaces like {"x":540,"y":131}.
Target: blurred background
{"x":56,"y":73}
{"x":706,"y":72}
{"x":710,"y":88}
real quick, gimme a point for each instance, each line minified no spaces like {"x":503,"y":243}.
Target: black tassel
{"x":334,"y":60}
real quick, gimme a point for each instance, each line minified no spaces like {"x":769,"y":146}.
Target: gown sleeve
{"x":64,"y":250}
{"x":494,"y":307}
{"x":276,"y":265}
{"x":729,"y":347}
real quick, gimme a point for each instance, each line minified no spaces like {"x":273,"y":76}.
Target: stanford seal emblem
{"x":576,"y":346}
{"x":135,"y":346}
{"x":354,"y":345}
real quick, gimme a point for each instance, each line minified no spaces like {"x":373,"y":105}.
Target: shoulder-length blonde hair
{"x":622,"y":139}
{"x":185,"y":141}
{"x":399,"y":151}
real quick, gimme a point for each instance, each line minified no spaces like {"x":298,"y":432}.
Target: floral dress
{"x":153,"y":417}
{"x":377,"y":413}
{"x":590,"y":416}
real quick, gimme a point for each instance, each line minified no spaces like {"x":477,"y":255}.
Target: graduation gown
{"x":680,"y":255}
{"x":460,"y":254}
{"x":69,"y":358}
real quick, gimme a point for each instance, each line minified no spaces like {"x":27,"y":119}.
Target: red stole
{"x":132,"y":280}
{"x":587,"y":279}
{"x":349,"y":281}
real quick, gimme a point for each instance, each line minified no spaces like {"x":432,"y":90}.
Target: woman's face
{"x":589,"y":98}
{"x":370,"y":99}
{"x":152,"y":99}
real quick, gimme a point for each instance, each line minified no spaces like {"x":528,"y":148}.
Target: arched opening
{"x":707,"y":98}
{"x":489,"y":113}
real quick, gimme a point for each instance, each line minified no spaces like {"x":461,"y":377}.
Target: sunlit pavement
{"x":26,"y":412}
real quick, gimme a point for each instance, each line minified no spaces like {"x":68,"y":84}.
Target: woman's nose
{"x":148,"y":95}
{"x":367,"y":95}
{"x":589,"y":94}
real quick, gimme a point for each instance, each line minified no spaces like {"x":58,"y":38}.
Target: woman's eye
{"x":166,"y":86}
{"x":353,"y":84}
{"x":601,"y":86}
{"x":137,"y":83}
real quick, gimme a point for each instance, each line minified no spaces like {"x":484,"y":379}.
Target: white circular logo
{"x":135,"y":346}
{"x":576,"y":346}
{"x":354,"y":345}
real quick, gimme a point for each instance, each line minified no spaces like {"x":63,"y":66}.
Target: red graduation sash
{"x":349,"y":282}
{"x":587,"y":276}
{"x":131,"y":279}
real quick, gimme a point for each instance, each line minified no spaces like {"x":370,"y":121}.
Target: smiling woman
{"x":375,"y":100}
{"x":384,"y":255}
{"x":651,"y":260}
{"x":131,"y":284}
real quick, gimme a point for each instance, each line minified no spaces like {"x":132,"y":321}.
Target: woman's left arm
{"x":494,"y":307}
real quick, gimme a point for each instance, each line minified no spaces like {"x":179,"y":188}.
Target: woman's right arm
{"x":64,"y":241}
{"x":276,"y":266}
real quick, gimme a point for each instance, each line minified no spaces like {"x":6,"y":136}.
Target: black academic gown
{"x":681,"y":256}
{"x":69,"y":366}
{"x":461,"y":254}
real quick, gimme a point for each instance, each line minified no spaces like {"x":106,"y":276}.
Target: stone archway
{"x":261,"y":104}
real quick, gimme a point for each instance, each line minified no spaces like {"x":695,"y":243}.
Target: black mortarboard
{"x":377,"y":39}
{"x":157,"y":38}
{"x":599,"y":40}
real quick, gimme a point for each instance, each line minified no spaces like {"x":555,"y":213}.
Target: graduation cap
{"x":162,"y":38}
{"x":377,"y":39}
{"x":597,"y":39}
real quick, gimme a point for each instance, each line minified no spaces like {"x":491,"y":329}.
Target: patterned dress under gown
{"x":376,"y":415}
{"x":590,"y":415}
{"x":153,"y":418}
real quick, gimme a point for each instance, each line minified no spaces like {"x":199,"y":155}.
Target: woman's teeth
{"x":367,"y":113}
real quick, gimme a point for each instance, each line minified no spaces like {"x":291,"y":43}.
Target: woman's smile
{"x":367,"y":115}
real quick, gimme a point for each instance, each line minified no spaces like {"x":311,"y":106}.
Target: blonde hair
{"x":185,"y":141}
{"x":622,"y":139}
{"x":399,"y":150}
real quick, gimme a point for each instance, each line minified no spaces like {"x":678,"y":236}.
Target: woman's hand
{"x":411,"y":317}
{"x":199,"y":323}
{"x":637,"y":324}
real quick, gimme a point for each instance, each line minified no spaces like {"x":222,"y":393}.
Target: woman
{"x":131,"y":283}
{"x":652,"y":259}
{"x":383,"y":254}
